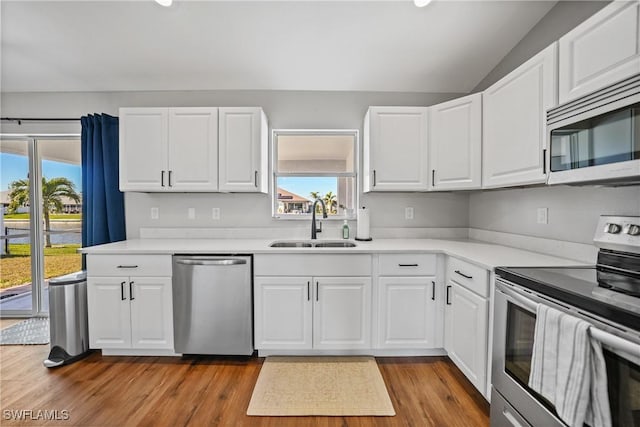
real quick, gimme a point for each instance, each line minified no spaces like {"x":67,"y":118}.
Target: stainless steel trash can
{"x":68,"y":323}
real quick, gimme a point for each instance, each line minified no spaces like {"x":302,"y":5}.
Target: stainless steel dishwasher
{"x":212,"y":305}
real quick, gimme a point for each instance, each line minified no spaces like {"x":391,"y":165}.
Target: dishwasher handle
{"x":211,"y":261}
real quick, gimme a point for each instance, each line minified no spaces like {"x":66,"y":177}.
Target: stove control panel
{"x":619,"y":233}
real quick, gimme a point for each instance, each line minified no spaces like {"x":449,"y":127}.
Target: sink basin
{"x":308,"y":244}
{"x":290,"y":245}
{"x":335,"y":245}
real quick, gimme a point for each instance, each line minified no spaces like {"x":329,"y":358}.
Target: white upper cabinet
{"x":193,"y":149}
{"x":168,"y":149}
{"x":455,"y":144}
{"x":243,"y":150}
{"x":514,"y":123}
{"x":602,"y":50}
{"x":395,"y":149}
{"x":143,"y":149}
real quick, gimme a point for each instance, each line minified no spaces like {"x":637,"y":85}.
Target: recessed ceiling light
{"x":165,"y":3}
{"x":419,"y":3}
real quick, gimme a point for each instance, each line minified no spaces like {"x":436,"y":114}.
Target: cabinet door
{"x":407,"y":312}
{"x":514,"y":123}
{"x":455,"y":143}
{"x":151,"y":312}
{"x":193,"y":149}
{"x":466,"y":333}
{"x":108,"y":312}
{"x":243,"y":150}
{"x":282,"y":313}
{"x":342,"y":313}
{"x":601,"y":51}
{"x":396,"y":149}
{"x":143,"y":149}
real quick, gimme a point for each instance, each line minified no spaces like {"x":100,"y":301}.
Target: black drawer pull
{"x":407,"y":265}
{"x":463,"y":275}
{"x":127,"y":266}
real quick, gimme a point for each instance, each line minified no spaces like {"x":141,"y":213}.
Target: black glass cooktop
{"x":607,"y":294}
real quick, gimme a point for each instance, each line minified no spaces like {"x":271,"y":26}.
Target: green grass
{"x":25,"y":216}
{"x":58,"y":260}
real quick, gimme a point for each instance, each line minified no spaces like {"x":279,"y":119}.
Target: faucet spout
{"x":314,"y":230}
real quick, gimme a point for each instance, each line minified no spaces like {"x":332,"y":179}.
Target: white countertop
{"x":484,"y":254}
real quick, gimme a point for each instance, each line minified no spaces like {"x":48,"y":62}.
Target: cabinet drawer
{"x":311,"y":265}
{"x":470,"y":276}
{"x":129,"y":265}
{"x":407,"y":265}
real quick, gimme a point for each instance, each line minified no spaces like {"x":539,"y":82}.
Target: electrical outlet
{"x":543,"y":215}
{"x":155,"y":213}
{"x":408,"y":213}
{"x":191,"y":213}
{"x":215,"y":213}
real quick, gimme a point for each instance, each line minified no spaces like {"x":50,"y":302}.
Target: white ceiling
{"x":448,"y":46}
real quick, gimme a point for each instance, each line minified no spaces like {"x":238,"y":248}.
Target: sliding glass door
{"x":39,"y":240}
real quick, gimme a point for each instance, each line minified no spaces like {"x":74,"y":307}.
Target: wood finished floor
{"x":209,"y":391}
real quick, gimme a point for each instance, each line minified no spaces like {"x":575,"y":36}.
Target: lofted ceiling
{"x":448,"y":46}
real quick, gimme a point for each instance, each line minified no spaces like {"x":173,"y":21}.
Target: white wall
{"x":285,"y":110}
{"x":573,"y":211}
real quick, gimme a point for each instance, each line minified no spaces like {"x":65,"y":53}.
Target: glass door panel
{"x":61,"y":209}
{"x":16,"y":261}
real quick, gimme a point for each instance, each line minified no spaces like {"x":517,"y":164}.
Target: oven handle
{"x":613,"y":341}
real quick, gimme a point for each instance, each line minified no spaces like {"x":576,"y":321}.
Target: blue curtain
{"x":102,"y":201}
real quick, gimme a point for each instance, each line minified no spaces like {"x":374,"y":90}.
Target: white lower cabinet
{"x":130,"y":312}
{"x":466,"y":320}
{"x":407,"y":312}
{"x":298,"y":313}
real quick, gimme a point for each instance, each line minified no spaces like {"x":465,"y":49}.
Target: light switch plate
{"x":155,"y":214}
{"x":215,"y":213}
{"x":408,"y":213}
{"x":543,"y":215}
{"x":191,"y":213}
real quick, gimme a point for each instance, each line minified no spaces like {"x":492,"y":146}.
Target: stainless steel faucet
{"x":314,"y":231}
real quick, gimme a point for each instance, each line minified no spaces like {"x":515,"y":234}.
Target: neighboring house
{"x":69,"y":205}
{"x":292,"y":203}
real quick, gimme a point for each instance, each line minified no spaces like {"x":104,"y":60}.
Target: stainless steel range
{"x":606,"y":295}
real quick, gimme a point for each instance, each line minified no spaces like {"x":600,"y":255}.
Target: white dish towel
{"x":568,"y":369}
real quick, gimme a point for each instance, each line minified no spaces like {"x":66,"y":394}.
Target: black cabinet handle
{"x":433,"y":290}
{"x":122,"y":297}
{"x":127,"y":266}
{"x":433,"y":177}
{"x":170,"y":185}
{"x":255,"y":178}
{"x":131,"y":298}
{"x":317,"y":291}
{"x":308,"y":291}
{"x":544,"y":161}
{"x":162,"y":178}
{"x":407,"y":265}
{"x":374,"y":177}
{"x":463,"y":275}
{"x":448,"y":288}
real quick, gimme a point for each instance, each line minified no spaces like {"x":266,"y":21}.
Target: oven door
{"x":514,"y":326}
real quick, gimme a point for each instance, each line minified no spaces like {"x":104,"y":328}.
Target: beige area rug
{"x":330,"y":386}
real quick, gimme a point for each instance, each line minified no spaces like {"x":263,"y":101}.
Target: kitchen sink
{"x":335,"y":245}
{"x":290,"y":245}
{"x":307,"y":244}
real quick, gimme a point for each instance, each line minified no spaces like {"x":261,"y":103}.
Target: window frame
{"x":355,"y":133}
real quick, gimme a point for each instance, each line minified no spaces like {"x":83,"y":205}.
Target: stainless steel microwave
{"x":596,"y":139}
